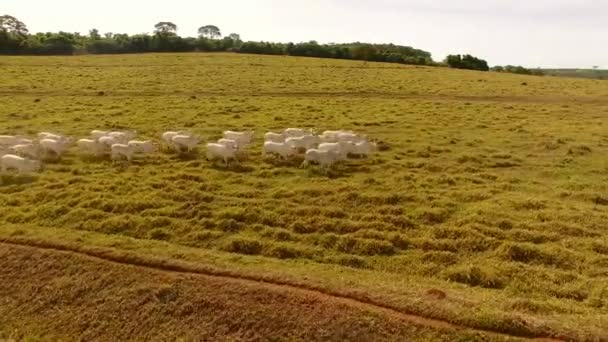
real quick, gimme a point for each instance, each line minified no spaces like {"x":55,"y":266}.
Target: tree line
{"x":518,"y":70}
{"x":15,"y":39}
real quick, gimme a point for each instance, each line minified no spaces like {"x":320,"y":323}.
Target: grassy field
{"x":488,"y":209}
{"x":600,"y":74}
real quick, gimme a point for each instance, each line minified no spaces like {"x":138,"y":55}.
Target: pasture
{"x":487,"y":208}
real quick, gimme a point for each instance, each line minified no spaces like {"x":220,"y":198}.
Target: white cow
{"x":11,"y":140}
{"x":22,"y":165}
{"x":122,"y":137}
{"x":306,"y":142}
{"x":230,"y":143}
{"x":145,"y":147}
{"x":56,"y":146}
{"x":242,"y":138}
{"x":282,"y":149}
{"x":184,"y":141}
{"x":297,"y":132}
{"x":324,"y":158}
{"x":341,"y":135}
{"x":350,"y":137}
{"x":90,"y":146}
{"x":122,"y":150}
{"x":219,"y":151}
{"x":168,"y":136}
{"x":364,"y":148}
{"x":25,"y":150}
{"x":97,"y":134}
{"x":8,"y":140}
{"x":342,"y":148}
{"x":52,"y":136}
{"x":274,"y":137}
{"x":107,"y":141}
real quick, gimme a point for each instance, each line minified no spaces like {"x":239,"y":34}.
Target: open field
{"x":488,"y":210}
{"x":600,"y":74}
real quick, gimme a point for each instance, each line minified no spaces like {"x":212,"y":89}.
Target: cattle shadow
{"x":231,"y":167}
{"x":17,"y":179}
{"x":280,"y":162}
{"x":339,"y":170}
{"x":186,"y":156}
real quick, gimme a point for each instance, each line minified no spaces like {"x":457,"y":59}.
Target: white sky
{"x":546,"y":33}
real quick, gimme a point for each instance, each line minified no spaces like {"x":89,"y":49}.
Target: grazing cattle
{"x":97,"y":134}
{"x":228,"y":142}
{"x":58,"y":147}
{"x":333,"y":136}
{"x":274,"y":137}
{"x":11,"y":140}
{"x":25,"y":150}
{"x":350,"y":137}
{"x":364,"y":148}
{"x":52,"y":136}
{"x":184,"y":141}
{"x":323,"y":158}
{"x":22,"y":165}
{"x":342,"y":148}
{"x":122,"y":150}
{"x":219,"y":151}
{"x":90,"y":146}
{"x":108,"y":141}
{"x":306,"y":142}
{"x":122,"y":137}
{"x":167,"y":136}
{"x":297,"y":132}
{"x":282,"y":149}
{"x":146,"y":147}
{"x":242,"y":138}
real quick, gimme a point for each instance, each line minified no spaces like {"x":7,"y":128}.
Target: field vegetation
{"x":485,"y":207}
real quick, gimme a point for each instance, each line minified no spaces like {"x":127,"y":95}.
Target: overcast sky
{"x":546,"y":33}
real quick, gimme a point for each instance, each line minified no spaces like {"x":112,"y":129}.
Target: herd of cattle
{"x":24,"y":154}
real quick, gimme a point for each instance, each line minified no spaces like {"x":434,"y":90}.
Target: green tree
{"x":209,"y":31}
{"x":10,"y":24}
{"x":94,"y":34}
{"x":467,"y":62}
{"x":165,"y":28}
{"x":232,"y":41}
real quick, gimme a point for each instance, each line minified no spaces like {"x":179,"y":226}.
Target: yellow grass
{"x":493,"y":189}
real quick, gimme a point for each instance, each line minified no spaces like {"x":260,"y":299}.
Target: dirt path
{"x":175,"y":267}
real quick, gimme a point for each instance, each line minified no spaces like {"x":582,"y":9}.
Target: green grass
{"x":487,"y":187}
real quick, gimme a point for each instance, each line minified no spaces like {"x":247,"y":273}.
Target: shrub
{"x":532,"y":254}
{"x":440,"y":257}
{"x":302,"y":227}
{"x":375,"y":247}
{"x":599,"y":297}
{"x":229,"y":225}
{"x":400,"y":242}
{"x":159,"y":234}
{"x":119,"y":224}
{"x":475,"y":276}
{"x":243,"y":246}
{"x":279,"y":234}
{"x":284,"y":252}
{"x":368,"y":247}
{"x":434,"y":215}
{"x":349,"y":261}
